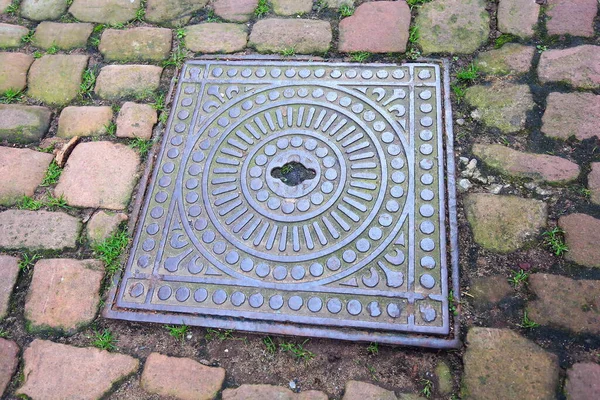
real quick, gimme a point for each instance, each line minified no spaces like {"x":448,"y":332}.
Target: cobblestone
{"x":136,"y":44}
{"x":583,"y":382}
{"x":55,"y":79}
{"x":9,"y":271}
{"x":262,"y":392}
{"x":84,"y":121}
{"x":22,"y":170}
{"x":172,"y":13}
{"x":103,"y":224}
{"x":490,"y":290}
{"x":216,"y":37}
{"x":571,"y":114}
{"x":104,"y":11}
{"x":291,"y":7}
{"x":23,"y":124}
{"x":39,"y":10}
{"x":303,"y":36}
{"x":518,"y":17}
{"x":10,"y":35}
{"x":512,"y":58}
{"x":594,"y":183}
{"x":572,"y":17}
{"x":116,"y":81}
{"x":582,"y":235}
{"x":235,"y":10}
{"x":13,"y":71}
{"x":9,"y":360}
{"x":63,"y":36}
{"x":356,"y":390}
{"x":136,"y":120}
{"x":578,"y":66}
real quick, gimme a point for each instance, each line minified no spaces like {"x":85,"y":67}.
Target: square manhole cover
{"x":300,"y":198}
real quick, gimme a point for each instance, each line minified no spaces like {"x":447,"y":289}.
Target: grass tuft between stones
{"x":262,"y":9}
{"x":109,"y":251}
{"x":52,"y":174}
{"x":104,"y":340}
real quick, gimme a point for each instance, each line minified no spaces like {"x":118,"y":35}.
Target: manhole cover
{"x":300,"y":198}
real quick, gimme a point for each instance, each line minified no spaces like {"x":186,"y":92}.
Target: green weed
{"x":212,"y":17}
{"x":88,"y":82}
{"x":11,"y":96}
{"x":555,"y":240}
{"x":585,"y":192}
{"x":140,"y":14}
{"x":527,"y":323}
{"x":176,"y":59}
{"x":221,"y":334}
{"x":111,"y":129}
{"x":3,"y":333}
{"x":346,"y":10}
{"x":288,"y":52}
{"x":503,"y":39}
{"x":518,"y":277}
{"x":541,"y":48}
{"x":52,"y":174}
{"x":141,"y":145}
{"x":52,"y":49}
{"x":54,"y":203}
{"x":468,"y":74}
{"x":413,"y":34}
{"x":297,"y":350}
{"x":459,"y":91}
{"x":180,"y":33}
{"x":104,"y":340}
{"x":29,"y":203}
{"x":37,"y":54}
{"x":110,"y":250}
{"x":373,"y":348}
{"x":12,"y":8}
{"x":269,"y":344}
{"x":413,"y":53}
{"x":427,"y":390}
{"x":452,"y":303}
{"x":178,"y":331}
{"x":29,"y":37}
{"x":416,"y":3}
{"x":262,"y":9}
{"x":373,"y":372}
{"x":360,"y":56}
{"x":27,"y":260}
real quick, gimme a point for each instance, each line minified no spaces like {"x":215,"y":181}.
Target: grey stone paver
{"x":500,"y":364}
{"x":84,"y":121}
{"x":116,"y":81}
{"x":583,"y":382}
{"x":304,"y":36}
{"x":21,"y":171}
{"x":23,"y":124}
{"x":261,"y":392}
{"x":9,"y":271}
{"x":56,"y":79}
{"x":565,"y":303}
{"x":136,"y":120}
{"x":63,"y":294}
{"x":63,"y":36}
{"x":512,"y":58}
{"x":489,"y":290}
{"x":58,"y":371}
{"x":541,"y":167}
{"x":518,"y":17}
{"x":9,"y":360}
{"x":172,"y":13}
{"x":235,"y":10}
{"x":13,"y":70}
{"x":216,"y":37}
{"x":578,"y":66}
{"x":378,"y":27}
{"x":452,"y":26}
{"x":573,"y":17}
{"x":103,"y":224}
{"x":582,"y":235}
{"x":336,"y":4}
{"x":501,"y":105}
{"x":291,"y":7}
{"x":504,"y":223}
{"x":38,"y":230}
{"x":10,"y":35}
{"x":356,"y":390}
{"x":104,"y":11}
{"x":136,"y":44}
{"x":99,"y":174}
{"x":571,"y":114}
{"x":445,"y":378}
{"x":39,"y":10}
{"x":179,"y":377}
{"x":594,"y":183}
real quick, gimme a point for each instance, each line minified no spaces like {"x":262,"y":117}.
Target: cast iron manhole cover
{"x":300,"y":198}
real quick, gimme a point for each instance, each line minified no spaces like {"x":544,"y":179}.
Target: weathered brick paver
{"x":84,"y":121}
{"x":572,"y":114}
{"x":216,"y":37}
{"x":578,"y":66}
{"x":99,"y":174}
{"x":500,"y":364}
{"x":136,"y":44}
{"x":9,"y":271}
{"x":336,"y":4}
{"x":594,"y":183}
{"x":542,"y":167}
{"x":116,"y":81}
{"x":56,"y":79}
{"x":23,"y":124}
{"x":38,"y":230}
{"x":182,"y":378}
{"x":504,"y":223}
{"x":21,"y":171}
{"x":262,"y":392}
{"x":63,"y":36}
{"x":39,"y":10}
{"x":565,"y":303}
{"x":10,"y":35}
{"x":57,"y":371}
{"x":512,"y":58}
{"x":291,"y":7}
{"x":13,"y":71}
{"x":235,"y":10}
{"x":582,"y":235}
{"x":489,"y":290}
{"x":378,"y":27}
{"x":452,"y":26}
{"x":103,"y":224}
{"x":4,"y":5}
{"x":356,"y":390}
{"x":8,"y":362}
{"x":583,"y":382}
{"x":518,"y":17}
{"x":573,"y":17}
{"x":304,"y":36}
{"x":104,"y":11}
{"x":173,"y":13}
{"x":136,"y":120}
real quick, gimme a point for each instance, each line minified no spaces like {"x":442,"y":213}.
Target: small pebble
{"x":460,"y":121}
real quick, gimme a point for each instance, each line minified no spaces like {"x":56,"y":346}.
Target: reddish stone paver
{"x":21,"y":171}
{"x":104,"y":11}
{"x":594,"y":183}
{"x":103,"y":224}
{"x":9,"y":360}
{"x":63,"y":36}
{"x":9,"y":271}
{"x":23,"y":124}
{"x":378,"y":27}
{"x":489,"y":290}
{"x":56,"y":79}
{"x":39,"y":10}
{"x":235,"y":10}
{"x":116,"y":81}
{"x":99,"y":174}
{"x":356,"y":390}
{"x":582,"y":235}
{"x":565,"y":303}
{"x":173,"y":13}
{"x":216,"y":37}
{"x":84,"y":121}
{"x":262,"y":392}
{"x":10,"y":35}
{"x":136,"y":44}
{"x":291,"y":7}
{"x":573,"y":17}
{"x":136,"y":120}
{"x":182,"y":378}
{"x":512,"y":58}
{"x":38,"y":230}
{"x":583,"y":382}
{"x":542,"y":167}
{"x":572,"y":114}
{"x":304,"y":36}
{"x":58,"y":371}
{"x":13,"y":71}
{"x":578,"y":66}
{"x":4,"y":5}
{"x":518,"y":17}
{"x":63,"y":294}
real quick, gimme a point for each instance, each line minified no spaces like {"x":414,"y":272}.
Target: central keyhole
{"x":293,"y":173}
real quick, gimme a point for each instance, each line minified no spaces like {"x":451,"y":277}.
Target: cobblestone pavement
{"x":84,"y":97}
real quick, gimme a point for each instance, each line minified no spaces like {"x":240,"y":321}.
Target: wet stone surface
{"x":282,"y":199}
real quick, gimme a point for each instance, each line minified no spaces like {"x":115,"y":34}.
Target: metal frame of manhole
{"x":362,"y":246}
